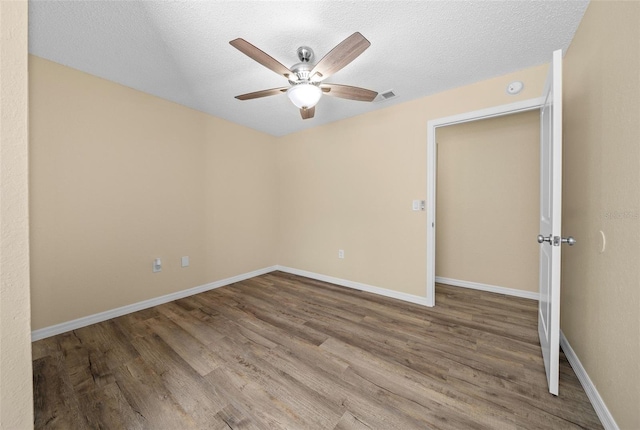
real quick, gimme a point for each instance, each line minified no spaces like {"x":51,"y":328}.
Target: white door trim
{"x":507,"y":109}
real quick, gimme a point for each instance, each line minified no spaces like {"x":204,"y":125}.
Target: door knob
{"x":569,"y":240}
{"x":542,"y":239}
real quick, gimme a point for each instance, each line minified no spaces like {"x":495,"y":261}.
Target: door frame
{"x":492,"y":112}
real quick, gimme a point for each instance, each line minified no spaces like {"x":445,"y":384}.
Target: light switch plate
{"x":418,"y":205}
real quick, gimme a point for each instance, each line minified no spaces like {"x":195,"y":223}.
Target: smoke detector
{"x":515,"y":87}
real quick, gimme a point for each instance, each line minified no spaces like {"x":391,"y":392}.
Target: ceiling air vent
{"x":386,"y":95}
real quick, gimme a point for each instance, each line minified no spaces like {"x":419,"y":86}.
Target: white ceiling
{"x":179,"y":50}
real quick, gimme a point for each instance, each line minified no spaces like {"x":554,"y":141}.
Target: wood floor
{"x":285,"y":352}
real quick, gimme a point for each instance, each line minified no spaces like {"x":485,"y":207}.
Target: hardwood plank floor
{"x":285,"y":352}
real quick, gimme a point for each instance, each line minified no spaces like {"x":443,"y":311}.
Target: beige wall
{"x":487,"y":201}
{"x":241,"y":200}
{"x":16,"y":398}
{"x":119,"y":177}
{"x":600,"y":313}
{"x":349,"y":185}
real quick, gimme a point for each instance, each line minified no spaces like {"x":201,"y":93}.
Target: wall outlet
{"x":341,"y":253}
{"x":184,"y":261}
{"x":157,"y":265}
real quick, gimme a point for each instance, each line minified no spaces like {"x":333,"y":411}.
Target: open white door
{"x":550,"y":237}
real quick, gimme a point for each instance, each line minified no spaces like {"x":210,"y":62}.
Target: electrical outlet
{"x":184,"y":261}
{"x":341,"y":253}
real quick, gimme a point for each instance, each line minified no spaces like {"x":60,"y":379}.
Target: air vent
{"x":386,"y":95}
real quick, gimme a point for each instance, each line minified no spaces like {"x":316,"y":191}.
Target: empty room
{"x":319,"y":215}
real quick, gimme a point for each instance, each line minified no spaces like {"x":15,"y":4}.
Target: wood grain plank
{"x":201,"y":330}
{"x":108,"y":405}
{"x":148,"y":397}
{"x":194,"y":352}
{"x":200,"y":400}
{"x":55,"y":403}
{"x":348,"y":421}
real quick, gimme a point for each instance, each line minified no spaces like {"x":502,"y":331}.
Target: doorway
{"x":523,"y":106}
{"x":487,"y":201}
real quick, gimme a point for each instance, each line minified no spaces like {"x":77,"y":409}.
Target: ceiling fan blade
{"x":260,"y":56}
{"x":263,"y":93}
{"x":344,"y":53}
{"x":308,"y":112}
{"x":349,"y":92}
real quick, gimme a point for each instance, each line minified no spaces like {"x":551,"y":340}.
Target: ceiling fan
{"x":305,"y":79}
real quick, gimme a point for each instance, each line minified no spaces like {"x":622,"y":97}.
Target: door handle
{"x":557,"y":240}
{"x":542,"y":239}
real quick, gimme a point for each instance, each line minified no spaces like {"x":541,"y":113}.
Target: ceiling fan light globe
{"x":304,"y":96}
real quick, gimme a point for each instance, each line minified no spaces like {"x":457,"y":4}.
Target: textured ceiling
{"x":179,"y":50}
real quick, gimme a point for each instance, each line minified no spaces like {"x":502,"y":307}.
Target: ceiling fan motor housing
{"x":300,"y":72}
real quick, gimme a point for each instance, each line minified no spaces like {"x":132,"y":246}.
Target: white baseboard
{"x":592,"y":393}
{"x":490,"y":288}
{"x":357,"y":286}
{"x":113,"y":313}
